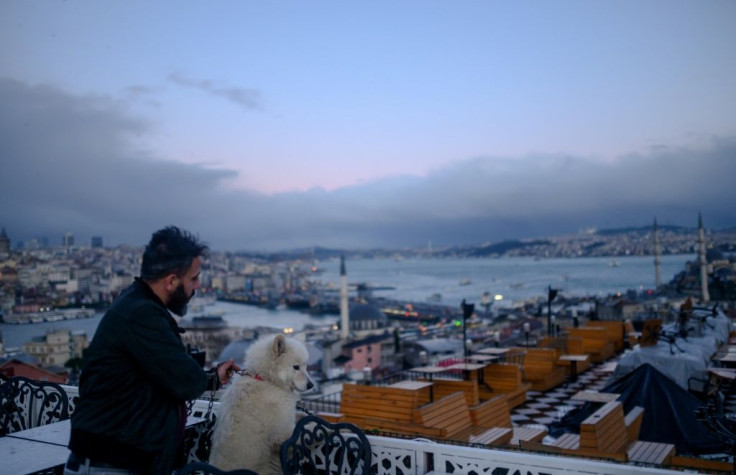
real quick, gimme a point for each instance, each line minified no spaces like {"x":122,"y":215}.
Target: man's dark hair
{"x":170,"y":251}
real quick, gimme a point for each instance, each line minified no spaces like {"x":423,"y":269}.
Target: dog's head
{"x":282,"y":361}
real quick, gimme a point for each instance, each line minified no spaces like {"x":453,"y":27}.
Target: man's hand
{"x":225,"y":371}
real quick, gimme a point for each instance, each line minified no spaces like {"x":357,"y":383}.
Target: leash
{"x":245,"y":372}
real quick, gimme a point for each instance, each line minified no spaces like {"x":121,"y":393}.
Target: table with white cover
{"x":687,"y":357}
{"x":43,"y":447}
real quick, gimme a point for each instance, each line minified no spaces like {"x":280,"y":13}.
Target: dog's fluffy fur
{"x":258,"y":410}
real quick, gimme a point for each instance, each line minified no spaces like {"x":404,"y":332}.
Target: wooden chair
{"x":504,"y":378}
{"x":445,"y":387}
{"x":595,"y":342}
{"x":615,"y":330}
{"x":318,"y":446}
{"x":452,"y":417}
{"x":609,"y":434}
{"x":516,"y":356}
{"x":25,"y":403}
{"x":495,"y":413}
{"x":541,"y":369}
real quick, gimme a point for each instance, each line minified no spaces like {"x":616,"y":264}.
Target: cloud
{"x":246,"y":98}
{"x":71,"y":163}
{"x":145,"y":94}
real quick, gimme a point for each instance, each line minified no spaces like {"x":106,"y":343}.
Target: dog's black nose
{"x":310,"y":385}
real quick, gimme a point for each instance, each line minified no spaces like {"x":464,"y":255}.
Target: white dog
{"x":258,"y":411}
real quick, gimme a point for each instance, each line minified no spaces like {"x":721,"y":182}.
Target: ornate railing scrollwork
{"x":25,"y":403}
{"x":318,"y":446}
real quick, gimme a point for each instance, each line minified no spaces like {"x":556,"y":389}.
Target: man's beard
{"x":178,"y":301}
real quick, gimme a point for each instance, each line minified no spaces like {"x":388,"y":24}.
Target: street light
{"x":551,"y":294}
{"x":467,"y":313}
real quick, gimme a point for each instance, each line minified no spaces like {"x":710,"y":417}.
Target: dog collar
{"x":255,"y":376}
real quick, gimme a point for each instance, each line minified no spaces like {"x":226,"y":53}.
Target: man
{"x":137,"y":375}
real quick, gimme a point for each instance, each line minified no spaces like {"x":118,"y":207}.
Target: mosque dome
{"x":712,"y":255}
{"x":366,"y":311}
{"x":367,"y":317}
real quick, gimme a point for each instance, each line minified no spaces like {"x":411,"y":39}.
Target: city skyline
{"x":630,"y":240}
{"x":277,"y":126}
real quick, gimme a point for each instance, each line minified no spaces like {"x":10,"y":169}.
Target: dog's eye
{"x":296,"y":367}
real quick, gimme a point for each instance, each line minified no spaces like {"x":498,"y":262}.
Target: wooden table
{"x":500,"y":352}
{"x":493,"y":351}
{"x":482,"y":358}
{"x":467,"y":368}
{"x":429,"y":371}
{"x":594,"y":396}
{"x":723,"y":373}
{"x":414,"y":386}
{"x":574,"y":359}
{"x":728,"y":359}
{"x":609,"y":367}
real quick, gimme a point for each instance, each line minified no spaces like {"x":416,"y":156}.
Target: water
{"x":515,"y":279}
{"x":236,"y":315}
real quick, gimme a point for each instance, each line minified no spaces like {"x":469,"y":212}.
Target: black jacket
{"x":135,"y":381}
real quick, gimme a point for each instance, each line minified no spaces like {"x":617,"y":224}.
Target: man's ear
{"x":171,"y":281}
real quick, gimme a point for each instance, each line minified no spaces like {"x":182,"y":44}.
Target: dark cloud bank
{"x":70,"y":163}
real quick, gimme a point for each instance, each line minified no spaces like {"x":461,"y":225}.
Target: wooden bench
{"x":607,"y":434}
{"x":595,"y":342}
{"x":382,"y":408}
{"x":541,"y":369}
{"x":504,"y":378}
{"x":475,"y":425}
{"x":574,"y":346}
{"x":495,"y":413}
{"x":615,"y":329}
{"x":445,"y":387}
{"x":394,"y":404}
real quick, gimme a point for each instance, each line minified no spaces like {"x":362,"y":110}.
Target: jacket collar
{"x":146,"y":289}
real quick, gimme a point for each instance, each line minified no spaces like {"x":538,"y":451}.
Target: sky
{"x":288,"y":124}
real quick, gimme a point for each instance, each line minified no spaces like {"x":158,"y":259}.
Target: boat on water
{"x":435,"y":297}
{"x":465,"y":281}
{"x":56,"y":315}
{"x":614,"y":263}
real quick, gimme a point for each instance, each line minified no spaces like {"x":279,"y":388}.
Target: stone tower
{"x":704,"y":295}
{"x":657,"y":257}
{"x":4,"y":243}
{"x":344,"y":310}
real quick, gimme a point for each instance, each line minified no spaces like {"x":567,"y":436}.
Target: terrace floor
{"x":544,"y":408}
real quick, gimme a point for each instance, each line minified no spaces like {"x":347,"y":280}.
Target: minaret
{"x":705,"y":296}
{"x":4,"y":243}
{"x":344,"y":310}
{"x":657,"y":256}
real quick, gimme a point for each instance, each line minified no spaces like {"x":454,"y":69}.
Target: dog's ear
{"x":279,"y":345}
